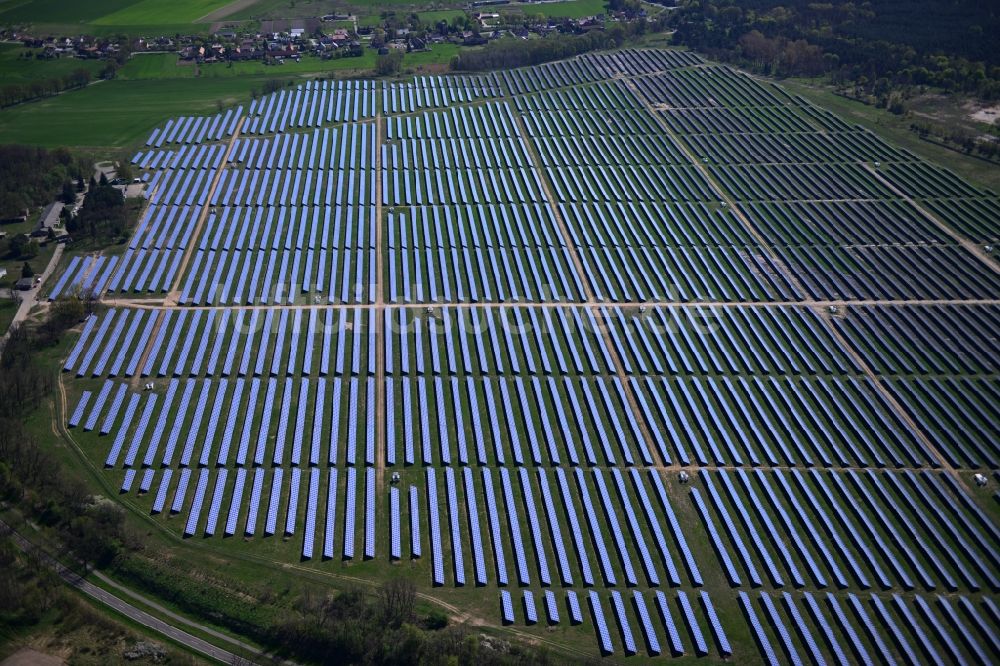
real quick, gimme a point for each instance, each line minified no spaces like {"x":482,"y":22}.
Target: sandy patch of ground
{"x":29,"y":657}
{"x":988,"y":115}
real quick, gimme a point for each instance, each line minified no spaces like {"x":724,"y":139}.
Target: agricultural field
{"x":16,"y":69}
{"x":630,"y":354}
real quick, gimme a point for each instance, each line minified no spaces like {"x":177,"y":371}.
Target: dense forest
{"x":32,"y":177}
{"x":879,"y":46}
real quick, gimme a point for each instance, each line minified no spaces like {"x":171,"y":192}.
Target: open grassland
{"x":308,"y":65}
{"x":59,"y":11}
{"x":117,"y":113}
{"x":157,"y":66}
{"x":154,"y":12}
{"x":568,"y":9}
{"x":16,"y":69}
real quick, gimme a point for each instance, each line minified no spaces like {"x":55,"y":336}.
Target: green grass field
{"x":157,"y":66}
{"x":59,"y":11}
{"x":308,"y":65}
{"x":568,"y":9}
{"x":115,"y":114}
{"x":154,"y":12}
{"x":15,"y":69}
{"x":152,"y":88}
{"x":7,"y":310}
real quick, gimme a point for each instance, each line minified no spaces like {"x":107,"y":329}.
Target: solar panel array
{"x":539,"y":295}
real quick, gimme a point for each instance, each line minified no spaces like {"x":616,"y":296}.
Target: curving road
{"x":123,"y":607}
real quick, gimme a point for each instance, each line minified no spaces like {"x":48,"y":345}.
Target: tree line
{"x":887,"y":44}
{"x":15,"y":93}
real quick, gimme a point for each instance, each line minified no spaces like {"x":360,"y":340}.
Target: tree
{"x":396,"y":601}
{"x":104,"y":180}
{"x":80,"y":185}
{"x":68,"y":195}
{"x":389,"y":63}
{"x":19,"y":245}
{"x":26,"y":270}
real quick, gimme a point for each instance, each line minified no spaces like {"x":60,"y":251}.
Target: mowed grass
{"x":118,"y":113}
{"x":569,"y":9}
{"x":308,"y":65}
{"x":157,"y":66}
{"x":15,"y":69}
{"x":154,"y":12}
{"x":60,"y":11}
{"x":438,"y":54}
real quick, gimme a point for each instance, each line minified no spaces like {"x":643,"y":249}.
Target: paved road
{"x":123,"y":607}
{"x":28,"y":297}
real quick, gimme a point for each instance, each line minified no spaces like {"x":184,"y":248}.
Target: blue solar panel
{"x":551,"y":607}
{"x":236,"y":502}
{"x":737,"y":540}
{"x":926,"y":646}
{"x":472,"y":512}
{"x":899,"y":639}
{"x":415,"y":548}
{"x":779,"y":626}
{"x":626,"y":630}
{"x":521,"y":559}
{"x":161,"y":493}
{"x":140,"y":430}
{"x":255,"y":497}
{"x":652,"y":642}
{"x":127,"y":481}
{"x":575,"y":614}
{"x":293,"y":501}
{"x":939,"y":629}
{"x":595,"y":528}
{"x":530,"y":613}
{"x":553,"y":523}
{"x":617,"y":533}
{"x":535,"y":525}
{"x":116,"y":404}
{"x":395,"y":546}
{"x":331,"y":515}
{"x":350,"y":512}
{"x":181,"y":492}
{"x":506,"y":607}
{"x":845,"y":625}
{"x":603,"y":635}
{"x":493,"y":514}
{"x":216,"y":505}
{"x":437,"y":554}
{"x":352,"y":420}
{"x":77,"y":415}
{"x":116,"y":447}
{"x":369,"y":513}
{"x":762,"y":641}
{"x":574,"y":523}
